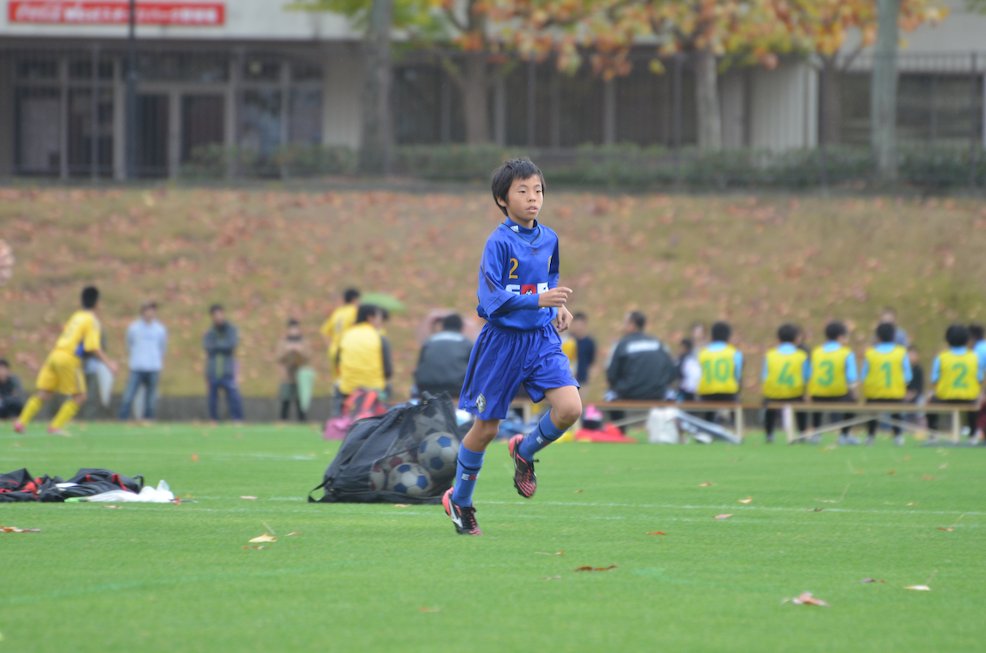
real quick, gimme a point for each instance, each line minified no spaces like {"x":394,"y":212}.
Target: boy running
{"x":62,"y":370}
{"x":524,"y":308}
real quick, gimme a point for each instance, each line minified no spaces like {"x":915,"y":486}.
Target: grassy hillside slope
{"x":269,"y":254}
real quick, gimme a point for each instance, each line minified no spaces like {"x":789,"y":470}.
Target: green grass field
{"x":389,"y":578}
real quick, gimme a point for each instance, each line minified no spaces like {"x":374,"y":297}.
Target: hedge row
{"x":618,"y":166}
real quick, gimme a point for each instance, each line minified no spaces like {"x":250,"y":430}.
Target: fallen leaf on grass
{"x":943,"y":466}
{"x":14,"y":529}
{"x":428,"y":610}
{"x":293,"y":534}
{"x":918,"y":588}
{"x":927,"y":477}
{"x":947,"y":529}
{"x":745,"y":501}
{"x":872,"y":580}
{"x":591,"y":568}
{"x":266,"y":537}
{"x":254,"y":547}
{"x":552,"y":578}
{"x":248,"y":497}
{"x":806,"y":598}
{"x":706,"y":484}
{"x":817,"y":509}
{"x":560,"y":552}
{"x":579,"y":491}
{"x":657,"y":533}
{"x":723,"y":516}
{"x":402,"y":505}
{"x":195,"y":457}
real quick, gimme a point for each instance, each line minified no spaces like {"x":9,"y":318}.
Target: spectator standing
{"x":293,"y":355}
{"x":147,"y":342}
{"x":889,"y":316}
{"x":11,"y":392}
{"x":444,"y":359}
{"x":220,"y":343}
{"x":721,"y":367}
{"x":640,"y":366}
{"x":885,"y":375}
{"x":363,"y":359}
{"x":337,"y":323}
{"x":956,"y":376}
{"x":833,"y":376}
{"x":689,"y":371}
{"x":785,"y":375}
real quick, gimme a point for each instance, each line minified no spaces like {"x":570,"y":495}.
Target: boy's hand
{"x":554,"y":298}
{"x":563,"y":320}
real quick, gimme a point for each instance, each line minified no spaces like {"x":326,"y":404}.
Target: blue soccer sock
{"x":543,"y":434}
{"x":467,"y":466}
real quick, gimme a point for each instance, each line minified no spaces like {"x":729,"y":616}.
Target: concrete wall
{"x":6,"y":117}
{"x":341,"y":97}
{"x":770,"y":109}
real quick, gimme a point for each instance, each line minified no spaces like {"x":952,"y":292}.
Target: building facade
{"x":245,"y":80}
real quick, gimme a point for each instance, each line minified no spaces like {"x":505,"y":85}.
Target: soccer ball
{"x":437,"y":452}
{"x":410,"y":479}
{"x":378,"y":477}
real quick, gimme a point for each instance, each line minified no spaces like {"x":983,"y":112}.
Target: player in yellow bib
{"x":336,"y":324}
{"x":956,"y":375}
{"x":833,"y":376}
{"x":722,"y":369}
{"x":785,"y":375}
{"x":62,"y":371}
{"x":886,"y":373}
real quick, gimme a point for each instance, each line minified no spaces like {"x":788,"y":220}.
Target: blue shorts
{"x":504,"y":359}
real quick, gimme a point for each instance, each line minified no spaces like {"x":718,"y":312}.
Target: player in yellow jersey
{"x":886,"y":373}
{"x":833,"y":376}
{"x":62,"y":371}
{"x":956,"y":376}
{"x":336,"y":324}
{"x":785,"y":375}
{"x":722,"y":369}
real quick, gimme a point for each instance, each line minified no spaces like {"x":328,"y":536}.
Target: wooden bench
{"x":863,"y":413}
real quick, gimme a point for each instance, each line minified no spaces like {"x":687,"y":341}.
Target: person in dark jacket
{"x":640,"y":366}
{"x":220,"y":344}
{"x":443,"y":359}
{"x":11,"y":392}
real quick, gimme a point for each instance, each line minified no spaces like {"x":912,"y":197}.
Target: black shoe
{"x":463,"y":517}
{"x":524,"y":478}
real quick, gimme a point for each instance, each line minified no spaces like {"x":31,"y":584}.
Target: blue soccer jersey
{"x":517,"y":265}
{"x":518,"y":346}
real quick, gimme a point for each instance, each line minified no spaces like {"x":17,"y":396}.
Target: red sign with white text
{"x":88,"y":12}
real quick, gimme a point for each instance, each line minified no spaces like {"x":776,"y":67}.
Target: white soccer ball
{"x":378,"y":477}
{"x":410,"y":479}
{"x":437,"y":452}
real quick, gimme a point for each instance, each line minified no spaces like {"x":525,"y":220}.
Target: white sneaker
{"x":899,"y":440}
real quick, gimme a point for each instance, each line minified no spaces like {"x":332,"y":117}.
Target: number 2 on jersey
{"x":514,"y":264}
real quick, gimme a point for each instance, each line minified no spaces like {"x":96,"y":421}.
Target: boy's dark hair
{"x":350,"y":295}
{"x":835,"y":330}
{"x":215,"y":308}
{"x":957,"y":335}
{"x":721,"y":332}
{"x":886,"y":332}
{"x":452,"y":322}
{"x":976,"y":332}
{"x":687,"y":345}
{"x":90,"y":297}
{"x":4,"y":363}
{"x":507,"y":173}
{"x":293,"y":323}
{"x":366,"y":311}
{"x":788,"y":333}
{"x":638,"y":320}
{"x":580,"y":316}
